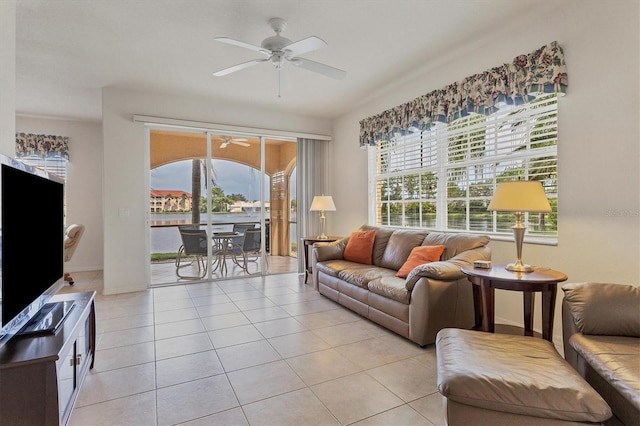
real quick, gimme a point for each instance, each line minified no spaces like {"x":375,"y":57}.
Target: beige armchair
{"x":72,"y":236}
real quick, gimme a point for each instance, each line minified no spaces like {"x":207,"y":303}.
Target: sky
{"x":233,"y":178}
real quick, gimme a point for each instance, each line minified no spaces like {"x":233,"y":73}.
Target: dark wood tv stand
{"x":41,"y":375}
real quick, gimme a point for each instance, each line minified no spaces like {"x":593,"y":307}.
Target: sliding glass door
{"x":220,"y":206}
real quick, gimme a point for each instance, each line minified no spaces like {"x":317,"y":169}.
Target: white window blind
{"x":52,"y":164}
{"x":443,"y":178}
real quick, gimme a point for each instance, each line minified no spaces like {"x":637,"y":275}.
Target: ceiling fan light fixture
{"x":226,"y":140}
{"x":276,"y":60}
{"x":280,"y":49}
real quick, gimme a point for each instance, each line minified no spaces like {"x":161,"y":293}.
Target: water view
{"x":164,"y":227}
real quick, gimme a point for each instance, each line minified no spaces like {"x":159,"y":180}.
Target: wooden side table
{"x":485,"y":281}
{"x":309,"y":241}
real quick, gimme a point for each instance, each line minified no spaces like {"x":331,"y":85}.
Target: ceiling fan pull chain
{"x":279,"y":82}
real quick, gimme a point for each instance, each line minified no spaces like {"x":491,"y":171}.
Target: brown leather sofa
{"x":601,"y":334}
{"x":433,"y":296}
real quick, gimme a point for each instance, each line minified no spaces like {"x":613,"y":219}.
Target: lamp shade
{"x":520,"y":196}
{"x":322,"y":203}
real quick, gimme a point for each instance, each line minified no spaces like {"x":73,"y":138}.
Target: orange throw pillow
{"x":420,"y":255}
{"x":360,"y":246}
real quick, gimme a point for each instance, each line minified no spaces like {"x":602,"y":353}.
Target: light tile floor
{"x":252,"y":351}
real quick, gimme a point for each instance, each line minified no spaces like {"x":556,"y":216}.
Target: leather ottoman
{"x":498,"y":379}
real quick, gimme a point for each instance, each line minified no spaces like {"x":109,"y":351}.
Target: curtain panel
{"x":313,"y":179}
{"x":42,"y":145}
{"x":542,"y":71}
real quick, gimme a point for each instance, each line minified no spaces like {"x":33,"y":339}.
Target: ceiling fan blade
{"x":305,"y":45}
{"x":238,"y":67}
{"x":224,"y":145}
{"x":239,"y":43}
{"x":323,"y":69}
{"x":240,"y":143}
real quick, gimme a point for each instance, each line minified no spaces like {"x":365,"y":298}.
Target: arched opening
{"x":239,"y":184}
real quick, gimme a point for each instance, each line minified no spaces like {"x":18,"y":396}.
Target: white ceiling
{"x":68,"y":50}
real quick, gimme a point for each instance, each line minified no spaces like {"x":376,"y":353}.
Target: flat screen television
{"x":31,"y":248}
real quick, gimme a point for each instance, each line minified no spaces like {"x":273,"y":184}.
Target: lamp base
{"x":518,"y":267}
{"x":518,"y":236}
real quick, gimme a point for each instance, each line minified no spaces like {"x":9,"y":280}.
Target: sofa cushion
{"x":360,"y":274}
{"x":590,"y":305}
{"x":616,"y":359}
{"x":360,"y":246}
{"x":333,"y":267}
{"x":419,"y":256}
{"x":513,"y":374}
{"x":399,"y":247}
{"x":380,"y":243}
{"x":391,"y":287}
{"x":455,"y":243}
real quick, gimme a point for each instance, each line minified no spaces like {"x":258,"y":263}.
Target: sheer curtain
{"x":313,"y":179}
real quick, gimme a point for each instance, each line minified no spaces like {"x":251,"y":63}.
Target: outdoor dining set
{"x":241,"y":245}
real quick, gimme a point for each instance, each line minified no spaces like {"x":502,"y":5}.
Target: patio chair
{"x":193,"y":249}
{"x":249,"y":251}
{"x":240,"y":228}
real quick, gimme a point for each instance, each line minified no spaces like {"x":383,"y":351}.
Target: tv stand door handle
{"x":75,"y":361}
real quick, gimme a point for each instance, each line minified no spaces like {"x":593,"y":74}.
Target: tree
{"x":195,"y":191}
{"x":183,"y":201}
{"x":168,"y":197}
{"x":237,"y":197}
{"x":219,"y":201}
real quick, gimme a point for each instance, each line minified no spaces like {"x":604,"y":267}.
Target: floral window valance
{"x":42,"y":145}
{"x":542,"y":71}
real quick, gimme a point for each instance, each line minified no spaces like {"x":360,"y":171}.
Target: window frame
{"x":513,"y":141}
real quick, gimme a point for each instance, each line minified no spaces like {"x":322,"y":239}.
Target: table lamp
{"x":519,"y":197}
{"x":322,"y":203}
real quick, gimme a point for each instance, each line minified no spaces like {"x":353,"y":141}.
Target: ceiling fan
{"x":226,"y":140}
{"x":279,"y":49}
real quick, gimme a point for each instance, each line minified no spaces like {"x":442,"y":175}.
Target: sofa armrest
{"x":442,"y":270}
{"x":569,"y":328}
{"x":328,"y":251}
{"x":448,"y":270}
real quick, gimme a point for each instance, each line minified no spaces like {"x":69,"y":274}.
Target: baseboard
{"x":83,"y":269}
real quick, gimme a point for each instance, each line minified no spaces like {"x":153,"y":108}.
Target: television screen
{"x":32,"y":247}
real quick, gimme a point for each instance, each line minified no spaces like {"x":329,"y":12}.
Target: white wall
{"x":7,"y":77}
{"x":125,"y":156}
{"x":598,"y":141}
{"x":83,"y":188}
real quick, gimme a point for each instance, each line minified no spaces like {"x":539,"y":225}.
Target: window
{"x":443,"y":178}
